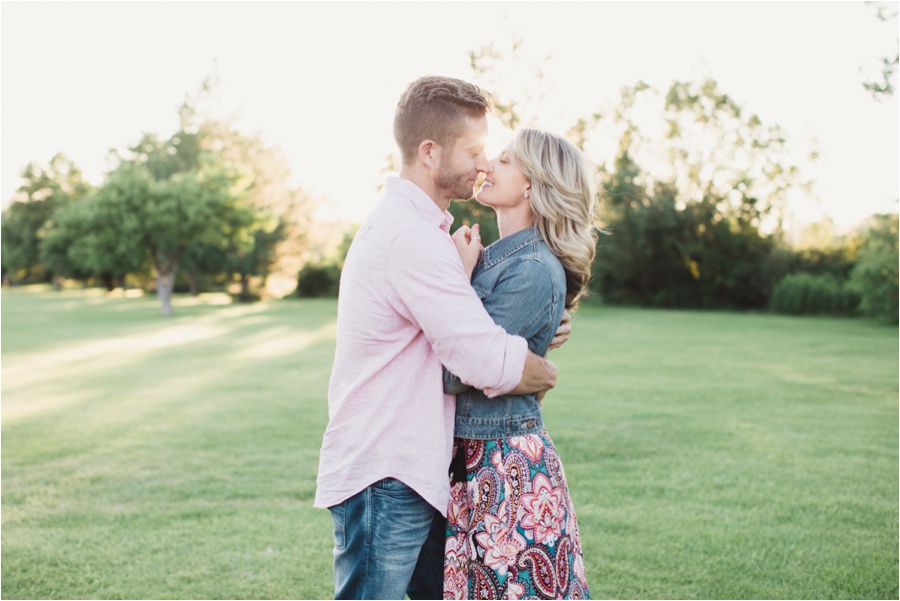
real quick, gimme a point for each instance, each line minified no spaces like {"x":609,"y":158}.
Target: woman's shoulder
{"x":538,"y":272}
{"x":534,"y":283}
{"x":523,"y":262}
{"x":537,"y":261}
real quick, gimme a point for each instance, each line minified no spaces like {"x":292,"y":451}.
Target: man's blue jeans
{"x":388,"y":542}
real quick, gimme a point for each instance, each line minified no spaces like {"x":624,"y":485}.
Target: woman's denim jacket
{"x":523,"y":287}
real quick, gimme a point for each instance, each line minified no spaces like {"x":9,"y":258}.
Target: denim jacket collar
{"x":509,"y":245}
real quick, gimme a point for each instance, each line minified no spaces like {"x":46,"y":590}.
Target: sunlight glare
{"x":498,"y":137}
{"x":29,"y":369}
{"x":279,"y":342}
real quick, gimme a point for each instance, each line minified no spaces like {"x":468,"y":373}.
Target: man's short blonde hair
{"x":436,"y":108}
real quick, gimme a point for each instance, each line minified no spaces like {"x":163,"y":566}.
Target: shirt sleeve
{"x":431,"y":289}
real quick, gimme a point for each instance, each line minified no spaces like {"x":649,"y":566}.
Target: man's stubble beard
{"x":454,"y":186}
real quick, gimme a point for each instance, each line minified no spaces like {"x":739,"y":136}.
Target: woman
{"x":511,"y":529}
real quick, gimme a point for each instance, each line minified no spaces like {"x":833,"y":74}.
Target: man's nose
{"x":482,"y":165}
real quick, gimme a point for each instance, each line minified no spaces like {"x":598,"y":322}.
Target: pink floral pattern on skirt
{"x":511,"y":529}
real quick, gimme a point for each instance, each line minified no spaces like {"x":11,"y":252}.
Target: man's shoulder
{"x":400,"y":222}
{"x":398,"y":211}
{"x":408,"y":240}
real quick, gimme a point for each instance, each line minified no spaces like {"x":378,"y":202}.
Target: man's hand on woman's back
{"x":563,"y":333}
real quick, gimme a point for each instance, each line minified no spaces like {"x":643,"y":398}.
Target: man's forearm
{"x":539,"y":375}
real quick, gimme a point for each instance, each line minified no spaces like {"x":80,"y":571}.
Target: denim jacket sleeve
{"x":519,"y":303}
{"x":452,"y":383}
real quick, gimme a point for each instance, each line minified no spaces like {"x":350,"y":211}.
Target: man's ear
{"x":429,"y":153}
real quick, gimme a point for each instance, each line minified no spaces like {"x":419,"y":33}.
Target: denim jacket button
{"x":529,"y":424}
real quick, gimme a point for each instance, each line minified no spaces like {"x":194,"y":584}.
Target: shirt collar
{"x":421,"y":200}
{"x":504,"y":247}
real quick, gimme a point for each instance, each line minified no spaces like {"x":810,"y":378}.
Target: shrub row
{"x":814,"y":294}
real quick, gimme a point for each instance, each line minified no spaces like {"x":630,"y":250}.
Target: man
{"x":405,"y":308}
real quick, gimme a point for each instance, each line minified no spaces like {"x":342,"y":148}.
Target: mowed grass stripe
{"x":710,"y":455}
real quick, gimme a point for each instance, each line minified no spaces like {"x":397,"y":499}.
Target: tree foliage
{"x":321,"y":278}
{"x":805,"y":293}
{"x":666,"y":255}
{"x":276,"y":236}
{"x":471,"y":212}
{"x":206,"y":200}
{"x":697,"y":227}
{"x":694,"y":197}
{"x":46,"y":189}
{"x":100,"y":235}
{"x":875,"y":275}
{"x":135,"y":219}
{"x":883,"y":85}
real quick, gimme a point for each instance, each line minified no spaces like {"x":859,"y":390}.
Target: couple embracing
{"x":440,"y":477}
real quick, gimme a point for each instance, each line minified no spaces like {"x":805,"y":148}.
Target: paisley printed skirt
{"x":511,"y":530}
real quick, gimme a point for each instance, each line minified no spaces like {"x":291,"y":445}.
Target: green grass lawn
{"x":710,"y":455}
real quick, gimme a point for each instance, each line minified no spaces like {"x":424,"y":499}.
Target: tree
{"x":888,"y":69}
{"x":700,"y":141}
{"x":269,"y":230}
{"x":321,"y":276}
{"x":696,"y":194}
{"x":277,"y":236}
{"x":58,"y":237}
{"x":195,"y":208}
{"x":47,"y":188}
{"x":517,"y":101}
{"x":875,"y":275}
{"x":98,"y":236}
{"x":22,"y":222}
{"x":135,"y":218}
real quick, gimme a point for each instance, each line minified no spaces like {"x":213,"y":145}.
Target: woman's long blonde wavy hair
{"x":563,"y":203}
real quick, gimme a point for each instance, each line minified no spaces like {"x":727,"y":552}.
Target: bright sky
{"x":321,"y":79}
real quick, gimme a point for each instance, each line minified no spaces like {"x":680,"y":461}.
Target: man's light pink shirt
{"x":405,"y":307}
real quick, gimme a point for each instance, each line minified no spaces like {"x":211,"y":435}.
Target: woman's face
{"x":504,"y":183}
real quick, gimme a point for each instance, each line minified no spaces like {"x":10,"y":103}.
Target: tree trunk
{"x":245,"y":286}
{"x":193,"y":284}
{"x":165,"y":283}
